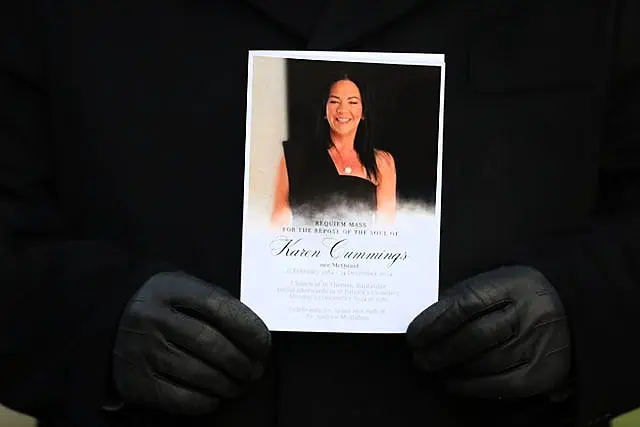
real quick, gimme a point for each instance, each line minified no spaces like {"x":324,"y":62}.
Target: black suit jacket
{"x":121,"y":154}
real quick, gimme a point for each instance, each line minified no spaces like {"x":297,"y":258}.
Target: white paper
{"x":344,"y":270}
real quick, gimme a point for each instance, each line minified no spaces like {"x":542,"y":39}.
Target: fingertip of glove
{"x":265,"y":349}
{"x":413,"y":331}
{"x":263,"y":339}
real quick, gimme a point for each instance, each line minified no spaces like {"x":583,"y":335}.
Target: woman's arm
{"x":386,"y":190}
{"x":281,"y":214}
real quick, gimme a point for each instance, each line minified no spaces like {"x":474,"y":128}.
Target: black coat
{"x":121,"y":152}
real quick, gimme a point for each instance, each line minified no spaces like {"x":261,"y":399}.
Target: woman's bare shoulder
{"x":384,"y":159}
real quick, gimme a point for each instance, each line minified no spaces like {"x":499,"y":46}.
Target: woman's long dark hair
{"x":363,"y":144}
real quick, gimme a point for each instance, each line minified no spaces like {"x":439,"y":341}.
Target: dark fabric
{"x":121,"y":143}
{"x":316,"y":189}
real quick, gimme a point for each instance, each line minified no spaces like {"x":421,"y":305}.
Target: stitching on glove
{"x":564,"y":347}
{"x":549,"y":322}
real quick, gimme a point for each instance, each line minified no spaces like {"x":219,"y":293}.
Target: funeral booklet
{"x":343,"y":166}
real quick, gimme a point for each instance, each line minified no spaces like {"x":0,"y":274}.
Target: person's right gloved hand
{"x":184,"y":345}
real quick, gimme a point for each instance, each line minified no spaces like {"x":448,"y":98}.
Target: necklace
{"x":347,"y":169}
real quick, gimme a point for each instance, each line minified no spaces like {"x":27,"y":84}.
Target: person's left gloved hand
{"x":502,"y":334}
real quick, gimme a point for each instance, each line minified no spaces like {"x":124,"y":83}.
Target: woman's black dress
{"x":317,"y":191}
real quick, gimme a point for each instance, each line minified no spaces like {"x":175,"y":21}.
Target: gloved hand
{"x":184,"y":345}
{"x":502,"y":334}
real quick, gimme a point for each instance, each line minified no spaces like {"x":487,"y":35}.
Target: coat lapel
{"x":341,"y":23}
{"x":345,"y":22}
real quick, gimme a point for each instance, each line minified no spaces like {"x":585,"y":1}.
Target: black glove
{"x":502,"y":334}
{"x":184,"y":345}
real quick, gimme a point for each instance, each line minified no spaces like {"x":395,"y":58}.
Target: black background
{"x":404,"y":102}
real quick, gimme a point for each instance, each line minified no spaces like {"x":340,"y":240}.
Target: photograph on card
{"x":342,"y":182}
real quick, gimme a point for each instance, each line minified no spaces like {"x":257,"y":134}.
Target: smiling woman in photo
{"x":341,"y":174}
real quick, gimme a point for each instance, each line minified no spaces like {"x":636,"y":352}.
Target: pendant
{"x":347,"y":170}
